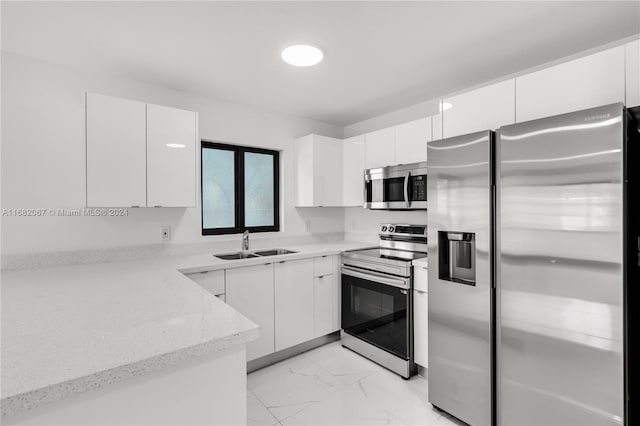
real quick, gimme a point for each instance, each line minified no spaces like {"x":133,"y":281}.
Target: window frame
{"x":239,"y":189}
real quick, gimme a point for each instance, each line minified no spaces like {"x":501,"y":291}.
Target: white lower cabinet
{"x":212,"y":281}
{"x":421,"y":278}
{"x":250,"y":290}
{"x":324,"y":289}
{"x":421,"y":328}
{"x":294,"y":302}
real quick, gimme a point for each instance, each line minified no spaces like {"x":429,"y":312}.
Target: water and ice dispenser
{"x":457,"y":257}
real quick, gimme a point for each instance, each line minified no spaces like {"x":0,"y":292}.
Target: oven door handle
{"x":376,"y":277}
{"x":407,"y":178}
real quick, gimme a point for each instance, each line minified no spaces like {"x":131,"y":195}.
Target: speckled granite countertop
{"x":69,"y":329}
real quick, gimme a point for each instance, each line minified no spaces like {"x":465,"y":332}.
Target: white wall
{"x":362,"y":225}
{"x":43,"y":159}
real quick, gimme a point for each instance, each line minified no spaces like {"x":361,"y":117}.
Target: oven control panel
{"x":389,"y":229}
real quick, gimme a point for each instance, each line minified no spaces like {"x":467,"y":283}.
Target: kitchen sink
{"x":274,"y":252}
{"x":235,"y":256}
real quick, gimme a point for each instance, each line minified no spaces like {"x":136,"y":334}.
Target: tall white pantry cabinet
{"x":139,"y":154}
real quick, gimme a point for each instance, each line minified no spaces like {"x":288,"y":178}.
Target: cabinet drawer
{"x":322,"y":266}
{"x":212,"y":281}
{"x":421,"y":278}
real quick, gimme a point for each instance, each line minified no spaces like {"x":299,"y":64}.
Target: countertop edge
{"x":32,"y":399}
{"x":243,"y":263}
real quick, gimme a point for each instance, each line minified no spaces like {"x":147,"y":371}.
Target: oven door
{"x":376,"y":308}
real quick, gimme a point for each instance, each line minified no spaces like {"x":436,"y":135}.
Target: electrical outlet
{"x":307,"y":225}
{"x":165,"y":233}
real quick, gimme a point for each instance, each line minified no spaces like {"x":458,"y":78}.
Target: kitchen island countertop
{"x":69,"y":329}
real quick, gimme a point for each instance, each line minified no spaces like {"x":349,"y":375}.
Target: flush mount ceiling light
{"x":302,"y":55}
{"x":176,"y":145}
{"x":445,"y":106}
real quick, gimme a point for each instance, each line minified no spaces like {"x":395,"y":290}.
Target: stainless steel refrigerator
{"x":533,"y":258}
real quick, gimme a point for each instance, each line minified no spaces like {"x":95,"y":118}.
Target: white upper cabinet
{"x":436,"y":127}
{"x":171,"y":157}
{"x":139,"y":155}
{"x":318,"y":171}
{"x":294,"y":302}
{"x":116,"y":152}
{"x":632,"y":53}
{"x":353,"y":171}
{"x":380,"y":148}
{"x":481,"y":109}
{"x":411,"y":141}
{"x":587,"y":82}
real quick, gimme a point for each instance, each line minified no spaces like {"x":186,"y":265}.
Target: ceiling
{"x":379,"y":56}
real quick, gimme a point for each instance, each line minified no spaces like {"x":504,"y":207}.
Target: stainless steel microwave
{"x":402,"y":187}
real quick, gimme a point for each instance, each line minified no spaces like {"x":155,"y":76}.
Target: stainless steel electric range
{"x":377,"y":305}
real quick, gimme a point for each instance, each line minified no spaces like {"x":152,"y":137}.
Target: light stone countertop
{"x":69,"y":329}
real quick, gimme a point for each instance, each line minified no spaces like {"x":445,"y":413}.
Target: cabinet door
{"x":303,"y":152}
{"x":632,"y":61}
{"x":411,"y":141}
{"x":572,"y":86}
{"x":421,"y":278}
{"x":116,"y":153}
{"x":353,"y":171}
{"x":293,"y":302}
{"x":250,"y":291}
{"x":323,"y":301}
{"x":171,"y":157}
{"x":485,"y":108}
{"x":337,"y":295}
{"x":327,"y":171}
{"x":421,"y":328}
{"x":380,"y":149}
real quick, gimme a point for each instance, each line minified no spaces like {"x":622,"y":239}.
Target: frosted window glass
{"x":258,"y":189}
{"x":218,"y":189}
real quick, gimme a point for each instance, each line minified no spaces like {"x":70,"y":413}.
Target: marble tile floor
{"x":332,"y":385}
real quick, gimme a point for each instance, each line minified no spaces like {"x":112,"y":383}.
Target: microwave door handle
{"x":407,"y":178}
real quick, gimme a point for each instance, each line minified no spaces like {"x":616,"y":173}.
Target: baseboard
{"x":275,"y":357}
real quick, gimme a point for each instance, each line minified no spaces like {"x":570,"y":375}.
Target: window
{"x":240,"y":189}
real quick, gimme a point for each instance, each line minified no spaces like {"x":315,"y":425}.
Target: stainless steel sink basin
{"x":274,"y":252}
{"x":235,"y":256}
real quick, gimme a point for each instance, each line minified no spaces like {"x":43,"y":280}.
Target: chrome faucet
{"x":245,"y":241}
